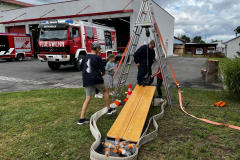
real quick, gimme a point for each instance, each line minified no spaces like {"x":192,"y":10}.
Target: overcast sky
{"x":211,"y":19}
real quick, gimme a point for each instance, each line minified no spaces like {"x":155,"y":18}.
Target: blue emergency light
{"x":69,"y":21}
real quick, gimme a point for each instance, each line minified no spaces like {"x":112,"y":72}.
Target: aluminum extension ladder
{"x":146,"y":8}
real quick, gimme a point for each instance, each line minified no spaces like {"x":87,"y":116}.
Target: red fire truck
{"x":15,"y":46}
{"x":63,"y":42}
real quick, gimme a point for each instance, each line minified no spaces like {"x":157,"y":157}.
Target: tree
{"x":185,"y":38}
{"x":237,"y":30}
{"x":197,"y":39}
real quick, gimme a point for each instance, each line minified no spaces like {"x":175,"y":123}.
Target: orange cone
{"x":117,"y":102}
{"x":129,"y":92}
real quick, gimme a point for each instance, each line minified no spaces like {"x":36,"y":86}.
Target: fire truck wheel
{"x":77,"y":63}
{"x":54,"y":65}
{"x":19,"y":57}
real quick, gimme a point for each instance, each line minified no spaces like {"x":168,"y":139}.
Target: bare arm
{"x":158,"y":72}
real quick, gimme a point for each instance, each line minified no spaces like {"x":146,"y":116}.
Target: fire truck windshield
{"x":53,"y":34}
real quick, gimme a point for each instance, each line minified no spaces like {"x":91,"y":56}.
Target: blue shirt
{"x":92,"y":68}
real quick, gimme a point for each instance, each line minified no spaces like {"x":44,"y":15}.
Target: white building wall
{"x":233,"y":47}
{"x":165,"y":23}
{"x":6,"y":6}
{"x":67,"y":8}
{"x":164,"y":19}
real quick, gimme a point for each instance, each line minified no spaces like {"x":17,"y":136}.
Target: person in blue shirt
{"x":140,"y":58}
{"x":110,"y":71}
{"x":92,"y":72}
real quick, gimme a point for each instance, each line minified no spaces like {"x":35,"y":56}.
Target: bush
{"x":220,"y":55}
{"x":231,"y":74}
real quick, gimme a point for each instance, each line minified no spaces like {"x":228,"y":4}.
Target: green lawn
{"x":41,"y":124}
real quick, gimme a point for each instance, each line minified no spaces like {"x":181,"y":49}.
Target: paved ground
{"x":33,"y":74}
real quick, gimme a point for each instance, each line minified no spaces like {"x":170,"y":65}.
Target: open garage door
{"x":122,"y":26}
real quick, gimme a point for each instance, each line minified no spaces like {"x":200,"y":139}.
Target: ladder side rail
{"x":131,"y":41}
{"x":165,"y":82}
{"x":131,"y":49}
{"x":130,"y":54}
{"x":128,"y":66}
{"x":124,"y":67}
{"x":161,"y":61}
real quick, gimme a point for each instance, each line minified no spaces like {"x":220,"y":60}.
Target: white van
{"x":199,"y":51}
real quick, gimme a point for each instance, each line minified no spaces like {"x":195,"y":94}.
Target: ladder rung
{"x":123,"y":81}
{"x":125,"y":73}
{"x":147,"y":25}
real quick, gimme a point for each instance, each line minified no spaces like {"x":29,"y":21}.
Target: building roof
{"x":162,"y":8}
{"x":233,"y":39}
{"x":201,"y":44}
{"x":180,"y":39}
{"x":17,"y":3}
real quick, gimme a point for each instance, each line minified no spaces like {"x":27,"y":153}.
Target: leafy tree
{"x":185,"y":38}
{"x":197,"y":39}
{"x":237,"y":30}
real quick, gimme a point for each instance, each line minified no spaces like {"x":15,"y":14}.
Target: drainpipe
{"x":1,"y":3}
{"x":1,"y":9}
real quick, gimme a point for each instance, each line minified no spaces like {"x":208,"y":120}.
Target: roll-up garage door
{"x":17,"y":29}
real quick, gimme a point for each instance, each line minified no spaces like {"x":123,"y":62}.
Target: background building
{"x":220,"y":46}
{"x":232,"y":47}
{"x":10,"y":4}
{"x":120,"y":14}
{"x":199,"y":48}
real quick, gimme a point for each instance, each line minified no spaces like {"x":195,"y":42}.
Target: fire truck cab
{"x":63,"y":42}
{"x":15,"y":46}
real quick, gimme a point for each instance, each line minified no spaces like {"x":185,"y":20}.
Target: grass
{"x":41,"y":124}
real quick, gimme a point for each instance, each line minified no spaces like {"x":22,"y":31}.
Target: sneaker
{"x":81,"y":121}
{"x":110,"y":93}
{"x":111,"y":110}
{"x":98,"y":96}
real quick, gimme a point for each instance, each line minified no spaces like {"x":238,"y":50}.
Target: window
{"x":75,"y":32}
{"x":108,"y":39}
{"x":89,"y":32}
{"x":53,"y":34}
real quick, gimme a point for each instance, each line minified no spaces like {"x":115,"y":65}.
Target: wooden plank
{"x":135,"y":127}
{"x":119,"y":126}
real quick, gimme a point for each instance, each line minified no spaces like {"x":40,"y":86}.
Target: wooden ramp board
{"x":135,"y":126}
{"x":119,"y":126}
{"x":131,"y":120}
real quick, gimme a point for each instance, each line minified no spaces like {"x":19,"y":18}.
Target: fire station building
{"x":120,"y":14}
